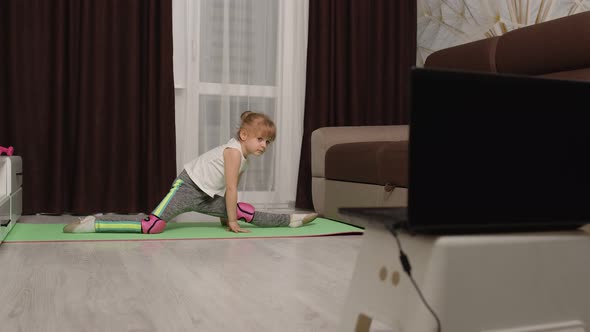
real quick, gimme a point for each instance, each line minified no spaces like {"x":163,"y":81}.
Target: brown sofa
{"x":377,"y":175}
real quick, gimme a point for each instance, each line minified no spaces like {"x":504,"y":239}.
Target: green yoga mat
{"x":178,"y":231}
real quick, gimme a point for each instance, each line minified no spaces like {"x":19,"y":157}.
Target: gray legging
{"x":186,"y":196}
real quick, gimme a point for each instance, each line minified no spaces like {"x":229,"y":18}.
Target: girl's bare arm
{"x":232,"y":159}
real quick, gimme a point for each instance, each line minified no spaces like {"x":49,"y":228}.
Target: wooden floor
{"x":294,"y":284}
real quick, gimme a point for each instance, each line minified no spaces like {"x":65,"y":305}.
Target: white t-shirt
{"x":207,"y":171}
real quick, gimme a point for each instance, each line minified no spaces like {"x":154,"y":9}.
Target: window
{"x":237,"y":55}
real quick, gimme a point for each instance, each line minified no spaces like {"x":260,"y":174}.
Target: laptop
{"x":494,"y":153}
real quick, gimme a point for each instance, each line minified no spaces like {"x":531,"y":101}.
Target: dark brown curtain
{"x":358,"y":60}
{"x":87,"y":100}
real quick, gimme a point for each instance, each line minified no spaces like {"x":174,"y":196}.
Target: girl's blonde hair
{"x":258,"y":124}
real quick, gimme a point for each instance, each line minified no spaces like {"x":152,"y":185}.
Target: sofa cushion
{"x":574,"y":75}
{"x":479,"y":55}
{"x":381,"y":163}
{"x":557,"y":45}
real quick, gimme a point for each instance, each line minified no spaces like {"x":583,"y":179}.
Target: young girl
{"x":209,"y":185}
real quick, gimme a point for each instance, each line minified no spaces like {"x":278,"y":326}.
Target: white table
{"x":495,"y":282}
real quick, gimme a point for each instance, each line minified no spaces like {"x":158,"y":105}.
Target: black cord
{"x":405,"y":261}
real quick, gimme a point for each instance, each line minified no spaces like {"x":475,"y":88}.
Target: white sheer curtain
{"x":238,"y":55}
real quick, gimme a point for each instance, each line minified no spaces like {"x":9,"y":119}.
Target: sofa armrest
{"x":324,"y":138}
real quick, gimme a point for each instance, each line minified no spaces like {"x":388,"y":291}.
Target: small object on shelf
{"x":9,"y":150}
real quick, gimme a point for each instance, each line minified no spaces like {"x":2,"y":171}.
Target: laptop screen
{"x":497,"y":152}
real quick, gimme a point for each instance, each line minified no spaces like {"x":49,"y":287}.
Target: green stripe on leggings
{"x":117,"y":226}
{"x":164,"y":203}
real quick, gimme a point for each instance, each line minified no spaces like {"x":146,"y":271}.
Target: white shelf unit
{"x":11,"y":193}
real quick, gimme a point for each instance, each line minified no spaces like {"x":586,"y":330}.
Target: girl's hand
{"x":233,"y":226}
